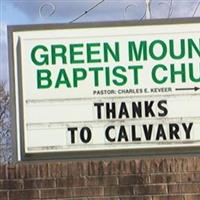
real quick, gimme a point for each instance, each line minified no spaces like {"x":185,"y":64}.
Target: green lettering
{"x":191,"y":72}
{"x":163,"y":50}
{"x":172,"y":49}
{"x":109,"y":51}
{"x":137,"y":54}
{"x":62,"y":79}
{"x":107,"y":75}
{"x":155,"y":74}
{"x":75,"y":50}
{"x":79,"y":74}
{"x":96,"y":71}
{"x":43,"y":58}
{"x":58,"y":51}
{"x":117,"y":72}
{"x":135,"y":73}
{"x":91,"y":52}
{"x":193,"y":47}
{"x":181,"y":73}
{"x":44,"y":78}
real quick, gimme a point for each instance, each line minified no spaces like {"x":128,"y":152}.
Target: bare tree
{"x":5,"y":138}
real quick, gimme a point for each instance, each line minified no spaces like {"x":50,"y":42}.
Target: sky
{"x":15,"y":12}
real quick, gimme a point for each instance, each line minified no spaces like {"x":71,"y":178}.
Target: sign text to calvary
{"x":131,"y":132}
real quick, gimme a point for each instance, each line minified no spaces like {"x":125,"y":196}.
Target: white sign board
{"x":105,"y":87}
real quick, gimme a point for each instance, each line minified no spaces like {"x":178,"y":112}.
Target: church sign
{"x":105,"y":89}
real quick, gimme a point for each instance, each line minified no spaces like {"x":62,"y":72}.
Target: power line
{"x":197,"y":6}
{"x":87,"y":11}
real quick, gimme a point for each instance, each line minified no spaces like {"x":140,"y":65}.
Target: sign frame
{"x":17,"y":106}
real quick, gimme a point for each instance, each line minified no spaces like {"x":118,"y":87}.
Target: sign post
{"x":91,"y":90}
